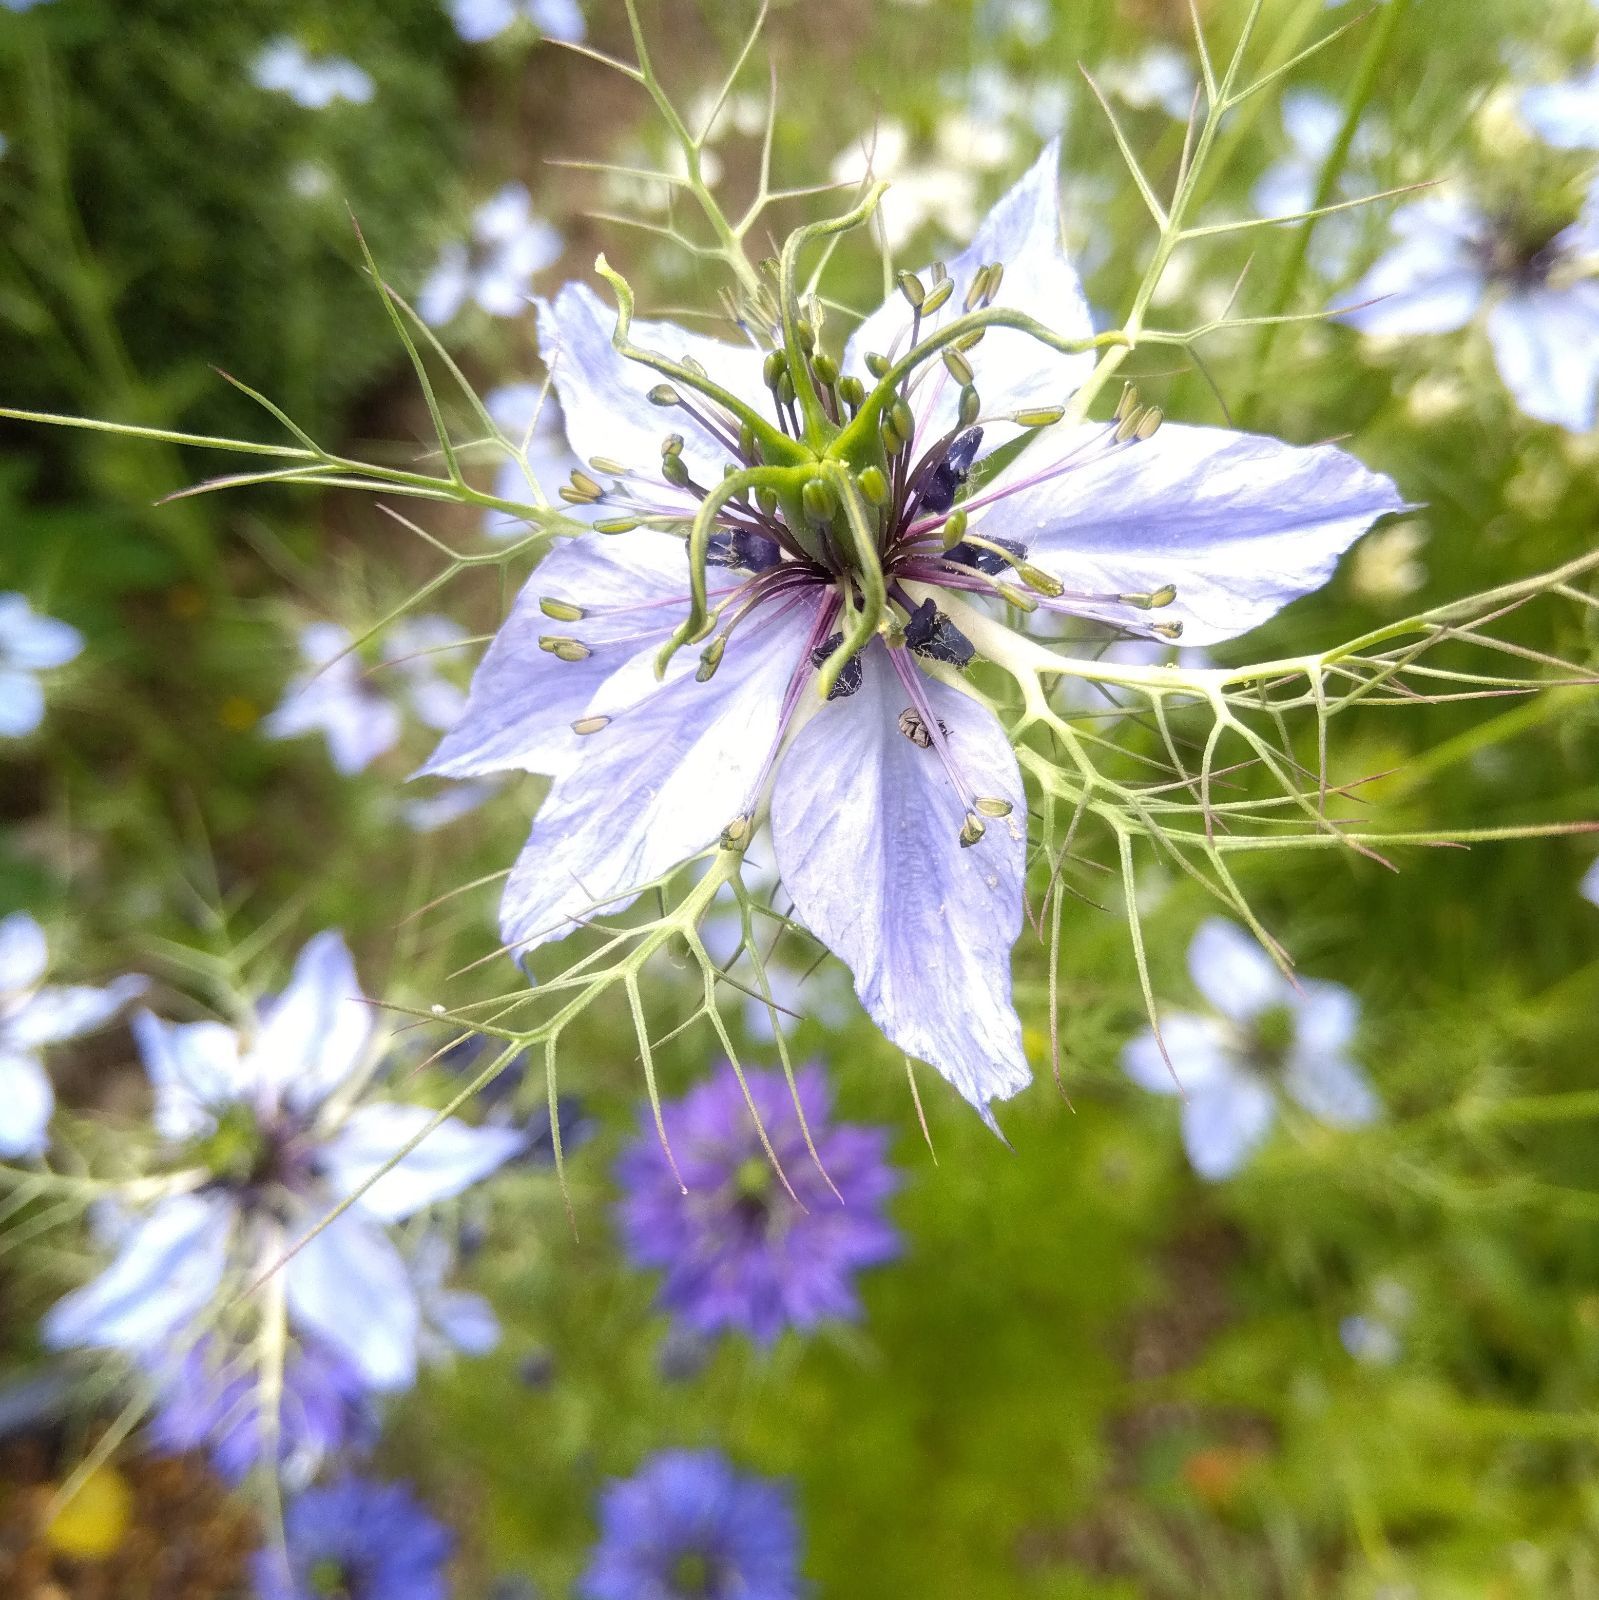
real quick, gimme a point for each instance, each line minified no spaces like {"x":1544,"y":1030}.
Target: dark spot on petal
{"x":849,"y":680}
{"x":930,"y":633}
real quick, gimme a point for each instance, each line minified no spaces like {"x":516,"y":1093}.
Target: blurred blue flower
{"x":1590,"y":884}
{"x":360,"y":712}
{"x":315,"y":82}
{"x":356,"y":1539}
{"x":496,"y":265}
{"x":1565,"y":115}
{"x":477,"y":20}
{"x":32,"y":1015}
{"x":1267,"y":1037}
{"x":213,"y":1400}
{"x":529,"y":415}
{"x":688,"y":1527}
{"x":878,"y":803}
{"x":29,"y":644}
{"x":1375,"y":1337}
{"x":1161,"y":77}
{"x":274,"y":1120}
{"x":737,"y":1251}
{"x":21,"y":5}
{"x":1450,"y":260}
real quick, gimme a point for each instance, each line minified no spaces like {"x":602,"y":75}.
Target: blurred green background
{"x":1091,"y":1375}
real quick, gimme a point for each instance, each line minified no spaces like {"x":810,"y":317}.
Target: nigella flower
{"x":33,"y":1015}
{"x":274,"y":1130}
{"x":315,"y":82}
{"x":496,"y":266}
{"x":356,"y":1539}
{"x":1266,"y":1038}
{"x":737,"y":1251}
{"x":1451,"y":260}
{"x":477,"y":20}
{"x":1565,"y":115}
{"x":29,"y":644}
{"x":689,"y":1527}
{"x":896,"y":811}
{"x":213,"y":1400}
{"x":362,"y":714}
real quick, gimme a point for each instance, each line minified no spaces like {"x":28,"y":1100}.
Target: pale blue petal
{"x":429,"y":813}
{"x":478,"y":20}
{"x":1330,"y":1086}
{"x":1546,"y":346}
{"x":657,"y":785}
{"x":350,"y":1286}
{"x":168,"y":1267}
{"x":194,"y":1069}
{"x":68,"y":1011}
{"x":464,"y":1320}
{"x":26,"y":1103}
{"x":317,"y":1032}
{"x":1565,"y":115}
{"x":866,"y":826}
{"x":1013,"y":370}
{"x":1233,"y":973}
{"x":24,"y":954}
{"x":1326,"y":1016}
{"x":451,"y":1158}
{"x":1312,"y":120}
{"x":1589,"y":887}
{"x":524,"y":699}
{"x":21,"y":703}
{"x":1240,"y":523}
{"x":603,"y":395}
{"x":1198,"y":1049}
{"x":1431,"y":281}
{"x":445,"y":289}
{"x":32,"y":640}
{"x":559,"y":19}
{"x":1224,"y":1122}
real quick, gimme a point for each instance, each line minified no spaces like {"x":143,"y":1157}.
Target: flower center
{"x":1271,"y":1035}
{"x":696,"y":1576}
{"x":330,"y":1580}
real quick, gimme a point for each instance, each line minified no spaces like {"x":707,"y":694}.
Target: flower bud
{"x":874,"y":486}
{"x":820,"y":500}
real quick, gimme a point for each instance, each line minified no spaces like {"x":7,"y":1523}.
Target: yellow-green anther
{"x":1167,"y":630}
{"x":970,"y":341}
{"x":954,"y":529}
{"x":1163,"y":596}
{"x":612,"y":469}
{"x":959,"y":368}
{"x":992,"y":806}
{"x":1019,"y":598}
{"x":737,"y":833}
{"x":852,"y":392}
{"x":773,"y":368}
{"x":586,"y":485}
{"x":875,"y":364}
{"x":576,"y":497}
{"x":590,"y":724}
{"x":663,"y":394}
{"x":996,"y":276}
{"x":1128,"y":401}
{"x":1149,"y":422}
{"x":972,"y":829}
{"x":565,"y":649}
{"x":913,"y":289}
{"x":710,"y":658}
{"x":746,"y":443}
{"x":1038,"y":416}
{"x":1037,"y":578}
{"x":696,"y":367}
{"x":825,"y":368}
{"x":560,"y":610}
{"x":675,"y":470}
{"x":974,"y":291}
{"x":1127,"y":428}
{"x":766,"y":499}
{"x":938,"y":297}
{"x":820,"y":500}
{"x":672,"y":445}
{"x":874,"y":485}
{"x":616,"y":525}
{"x":940,"y":272}
{"x":970,"y":405}
{"x":903,"y":418}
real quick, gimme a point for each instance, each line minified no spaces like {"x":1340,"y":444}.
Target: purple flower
{"x":1267,"y":1038}
{"x":496,"y":266}
{"x":1450,"y":260}
{"x":315,"y":82}
{"x":736,"y":1250}
{"x":356,"y":1539}
{"x":214,"y":1400}
{"x":361,"y":714}
{"x":29,"y":644}
{"x":689,"y":1527}
{"x":477,"y":20}
{"x":32,"y":1015}
{"x":275,"y":1117}
{"x":897,"y":811}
